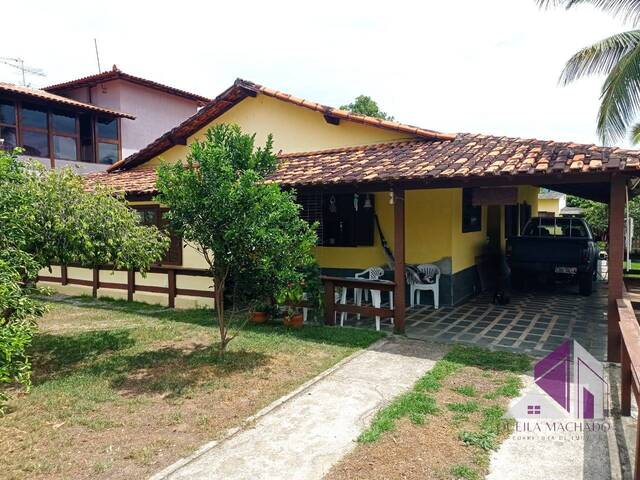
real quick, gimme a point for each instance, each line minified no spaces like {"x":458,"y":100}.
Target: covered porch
{"x":534,"y":321}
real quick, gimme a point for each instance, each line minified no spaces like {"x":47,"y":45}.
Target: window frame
{"x":50,"y":110}
{"x":76,"y":136}
{"x":98,"y":140}
{"x":360,"y":226}
{"x":15,"y":124}
{"x":469,"y":211}
{"x":159,"y":223}
{"x":47,"y":131}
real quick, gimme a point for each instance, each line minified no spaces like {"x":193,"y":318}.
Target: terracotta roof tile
{"x":114,"y":74}
{"x":239,"y":91}
{"x":50,"y":97}
{"x":467,"y":155}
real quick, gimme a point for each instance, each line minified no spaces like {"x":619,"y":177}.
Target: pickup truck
{"x":554,"y":248}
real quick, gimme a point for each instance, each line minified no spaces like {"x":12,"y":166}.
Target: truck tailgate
{"x":561,"y":251}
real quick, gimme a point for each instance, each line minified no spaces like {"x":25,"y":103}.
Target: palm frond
{"x":601,"y":57}
{"x":627,"y":10}
{"x":620,"y":100}
{"x":634,"y":135}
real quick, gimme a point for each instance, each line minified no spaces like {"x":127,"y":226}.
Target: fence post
{"x":131,"y":284}
{"x":625,"y":382}
{"x":96,"y":282}
{"x":329,"y":303}
{"x":172,"y":287}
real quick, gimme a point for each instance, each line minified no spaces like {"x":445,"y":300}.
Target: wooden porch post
{"x":398,"y":253}
{"x":616,"y":256}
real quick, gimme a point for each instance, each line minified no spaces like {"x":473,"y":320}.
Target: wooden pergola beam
{"x":617,"y":202}
{"x":398,"y":253}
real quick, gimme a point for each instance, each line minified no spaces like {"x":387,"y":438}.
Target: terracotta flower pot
{"x":258,"y":317}
{"x":295,"y":320}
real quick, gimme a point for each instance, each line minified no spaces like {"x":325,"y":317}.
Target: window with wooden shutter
{"x":345,"y":220}
{"x":154,"y":215}
{"x":174,"y":254}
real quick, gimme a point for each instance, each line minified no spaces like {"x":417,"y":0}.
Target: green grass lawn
{"x":120,"y":390}
{"x":446,"y":426}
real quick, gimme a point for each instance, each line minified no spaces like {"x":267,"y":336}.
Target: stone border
{"x":163,"y":474}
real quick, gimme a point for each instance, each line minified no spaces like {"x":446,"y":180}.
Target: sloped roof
{"x":550,"y":195}
{"x":50,"y":97}
{"x":238,"y":92}
{"x":116,"y":74}
{"x":466,"y":156}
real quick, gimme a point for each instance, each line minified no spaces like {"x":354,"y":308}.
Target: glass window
{"x":35,"y":143}
{"x":8,"y":134}
{"x":63,"y":123}
{"x":7,"y":112}
{"x":33,"y":117}
{"x":65,"y":148}
{"x":148,"y":217}
{"x":556,"y":227}
{"x":107,"y":128}
{"x":107,"y":153}
{"x":471,"y":214}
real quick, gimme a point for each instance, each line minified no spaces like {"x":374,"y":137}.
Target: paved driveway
{"x":536,"y":321}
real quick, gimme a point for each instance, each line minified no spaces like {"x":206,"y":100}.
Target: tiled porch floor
{"x":535,"y":321}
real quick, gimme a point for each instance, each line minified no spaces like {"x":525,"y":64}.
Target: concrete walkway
{"x":571,"y":455}
{"x":302,"y":436}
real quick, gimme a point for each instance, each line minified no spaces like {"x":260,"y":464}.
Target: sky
{"x":455,"y":66}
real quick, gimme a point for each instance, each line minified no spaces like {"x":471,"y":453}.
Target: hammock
{"x":411,"y":273}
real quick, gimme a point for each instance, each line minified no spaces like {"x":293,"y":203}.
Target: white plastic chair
{"x":371,"y":273}
{"x":427,"y":270}
{"x":340,"y":296}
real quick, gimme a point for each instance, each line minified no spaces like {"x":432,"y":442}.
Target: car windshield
{"x":556,"y":227}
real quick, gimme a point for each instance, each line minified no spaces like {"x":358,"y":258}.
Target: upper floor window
{"x":59,"y":134}
{"x":34,"y":130}
{"x":108,"y":140}
{"x":8,"y":131}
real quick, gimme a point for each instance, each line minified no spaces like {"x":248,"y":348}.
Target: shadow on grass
{"x":344,"y":337}
{"x":170,"y":370}
{"x":55,"y":353}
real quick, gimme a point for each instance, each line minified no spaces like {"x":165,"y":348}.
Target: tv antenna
{"x":18,"y":63}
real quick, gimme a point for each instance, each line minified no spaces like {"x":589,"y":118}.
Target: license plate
{"x":570,"y":270}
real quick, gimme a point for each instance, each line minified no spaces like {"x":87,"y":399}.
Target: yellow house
{"x":551,"y":203}
{"x":443,"y":199}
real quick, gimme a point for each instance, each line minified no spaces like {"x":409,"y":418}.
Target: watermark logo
{"x":569,"y":383}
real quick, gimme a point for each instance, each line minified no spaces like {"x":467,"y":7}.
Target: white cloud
{"x":464,"y":65}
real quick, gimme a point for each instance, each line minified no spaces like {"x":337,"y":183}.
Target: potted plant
{"x":290,"y":298}
{"x":259,"y":312}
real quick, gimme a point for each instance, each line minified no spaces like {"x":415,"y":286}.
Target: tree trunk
{"x":218,"y":285}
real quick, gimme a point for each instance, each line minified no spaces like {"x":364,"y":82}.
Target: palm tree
{"x":617,"y":57}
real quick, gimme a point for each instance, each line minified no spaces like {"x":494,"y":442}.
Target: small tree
{"x":247,"y":229}
{"x":47,"y":218}
{"x":365,"y":105}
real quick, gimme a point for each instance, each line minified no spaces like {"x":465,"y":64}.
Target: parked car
{"x":553,"y":248}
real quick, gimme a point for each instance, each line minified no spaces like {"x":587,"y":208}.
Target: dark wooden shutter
{"x":511,"y":220}
{"x":174,"y":254}
{"x":364,"y":224}
{"x":311,"y":211}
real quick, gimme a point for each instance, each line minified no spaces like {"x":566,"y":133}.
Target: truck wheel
{"x":585,"y":284}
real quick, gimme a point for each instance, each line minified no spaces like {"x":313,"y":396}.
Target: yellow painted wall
{"x":549,"y":205}
{"x":465,"y":246}
{"x":294,"y":129}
